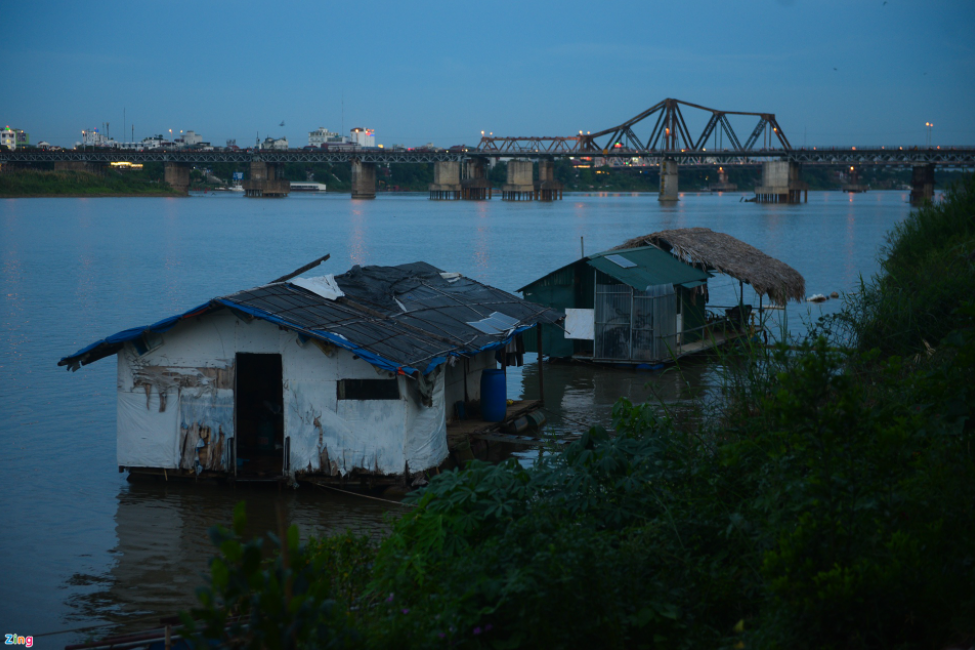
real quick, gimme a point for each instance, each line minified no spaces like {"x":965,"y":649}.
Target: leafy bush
{"x":259,"y":604}
{"x":830,"y":503}
{"x":928,"y":271}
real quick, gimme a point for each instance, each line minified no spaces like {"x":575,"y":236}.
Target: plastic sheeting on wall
{"x":426,"y":431}
{"x":147,"y":436}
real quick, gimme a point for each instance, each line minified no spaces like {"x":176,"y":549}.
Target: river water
{"x":83,"y":547}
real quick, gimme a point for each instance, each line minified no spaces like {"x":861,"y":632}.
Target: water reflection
{"x":482,"y":239}
{"x":357,"y":241}
{"x":163,"y":548}
{"x":578,"y":396}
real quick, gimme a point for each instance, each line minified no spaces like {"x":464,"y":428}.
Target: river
{"x":83,"y":547}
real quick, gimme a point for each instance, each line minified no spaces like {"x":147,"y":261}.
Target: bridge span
{"x":460,"y":173}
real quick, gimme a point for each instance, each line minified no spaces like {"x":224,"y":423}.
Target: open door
{"x":259,"y":414}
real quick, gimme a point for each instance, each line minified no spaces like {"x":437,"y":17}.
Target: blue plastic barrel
{"x":494,"y":395}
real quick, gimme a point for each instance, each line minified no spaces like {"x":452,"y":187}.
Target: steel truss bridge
{"x":664,"y":130}
{"x":945,"y":156}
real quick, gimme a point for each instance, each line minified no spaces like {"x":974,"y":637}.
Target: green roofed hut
{"x":644,"y":303}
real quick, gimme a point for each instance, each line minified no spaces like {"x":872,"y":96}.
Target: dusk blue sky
{"x":834,"y":72}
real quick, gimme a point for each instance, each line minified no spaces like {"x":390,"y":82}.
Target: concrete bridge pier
{"x":922,"y":183}
{"x":178,"y":176}
{"x":264,"y":181}
{"x":547,"y":188}
{"x":781,"y":183}
{"x":446,"y":181}
{"x":363,"y":180}
{"x":668,"y":180}
{"x":520,"y":185}
{"x":475,"y":185}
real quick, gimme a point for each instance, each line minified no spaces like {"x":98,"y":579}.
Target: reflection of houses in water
{"x":578,"y":396}
{"x":163,"y":548}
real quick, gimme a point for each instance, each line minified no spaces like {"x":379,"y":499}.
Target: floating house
{"x":645,"y":302}
{"x":334,"y":378}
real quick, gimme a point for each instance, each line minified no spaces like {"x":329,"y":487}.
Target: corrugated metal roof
{"x":651,"y":266}
{"x":408,"y":317}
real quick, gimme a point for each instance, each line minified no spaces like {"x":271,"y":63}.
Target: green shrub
{"x":828,"y":503}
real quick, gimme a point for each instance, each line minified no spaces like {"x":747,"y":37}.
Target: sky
{"x":846,"y":72}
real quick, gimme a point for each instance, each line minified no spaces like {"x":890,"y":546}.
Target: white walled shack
{"x":333,"y":376}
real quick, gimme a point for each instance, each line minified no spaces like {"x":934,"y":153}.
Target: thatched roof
{"x":725,"y":254}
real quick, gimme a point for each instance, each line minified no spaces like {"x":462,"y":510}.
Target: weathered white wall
{"x":181,"y":393}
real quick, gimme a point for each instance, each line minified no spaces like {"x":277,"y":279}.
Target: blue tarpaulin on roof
{"x":405,"y":318}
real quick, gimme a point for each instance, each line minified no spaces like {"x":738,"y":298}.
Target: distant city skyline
{"x":849,"y":73}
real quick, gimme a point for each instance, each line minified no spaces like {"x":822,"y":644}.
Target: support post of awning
{"x":541,"y":372}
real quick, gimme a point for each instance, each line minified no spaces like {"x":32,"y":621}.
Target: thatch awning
{"x":725,"y":254}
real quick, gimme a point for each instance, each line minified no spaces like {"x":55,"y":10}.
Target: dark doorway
{"x":260,"y":416}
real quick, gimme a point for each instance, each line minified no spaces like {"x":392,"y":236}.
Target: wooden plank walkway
{"x":462,"y":432}
{"x":712,"y":340}
{"x":462,"y":429}
{"x":532,"y":441}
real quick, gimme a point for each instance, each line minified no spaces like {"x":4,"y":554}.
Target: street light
{"x":929,"y":126}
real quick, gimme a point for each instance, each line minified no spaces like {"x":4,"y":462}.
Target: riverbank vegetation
{"x":827,"y":500}
{"x":31,"y":183}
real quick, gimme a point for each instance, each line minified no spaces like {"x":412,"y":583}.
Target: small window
{"x":366,"y":389}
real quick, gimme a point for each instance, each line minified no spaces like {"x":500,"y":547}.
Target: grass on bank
{"x":829,"y":502}
{"x":26,"y":183}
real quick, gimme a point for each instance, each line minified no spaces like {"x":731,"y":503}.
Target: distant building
{"x":321,"y":136}
{"x":363,"y":137}
{"x":13,"y":138}
{"x":274,"y":143}
{"x":190,"y":139}
{"x":93,"y":138}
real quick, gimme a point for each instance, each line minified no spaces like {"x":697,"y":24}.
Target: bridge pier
{"x":853,"y":184}
{"x":363,"y":180}
{"x":475,"y":185}
{"x":922,"y":183}
{"x":264,"y":181}
{"x":446,"y":181}
{"x":178,"y":176}
{"x":547,"y":188}
{"x":668,"y":180}
{"x":520,"y":185}
{"x":781,"y":184}
{"x":722,"y":185}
